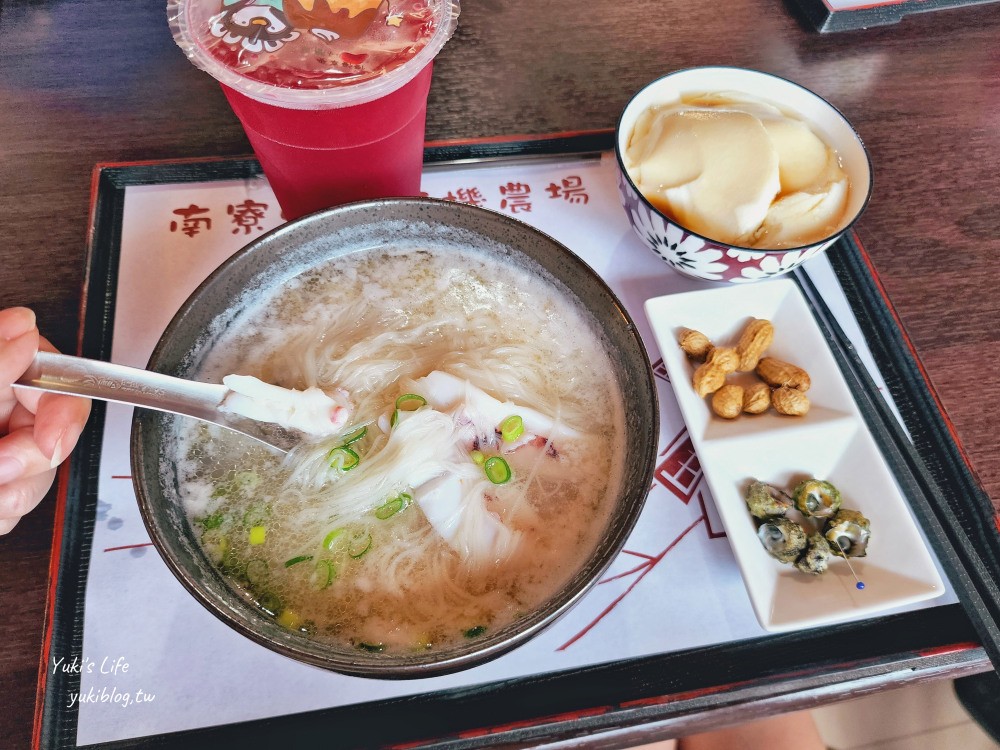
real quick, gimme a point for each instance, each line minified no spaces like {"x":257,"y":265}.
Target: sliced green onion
{"x":232,"y":565}
{"x":257,"y":535}
{"x":410,"y":402}
{"x":475,"y":632}
{"x":497,"y":470}
{"x":256,"y":571}
{"x":269,"y":603}
{"x":325,"y":573}
{"x":392,"y":506}
{"x":375,"y":648}
{"x":359,"y":545}
{"x":511,"y":428}
{"x":355,"y":436}
{"x":297,"y":560}
{"x":330,"y":538}
{"x":478,"y":457}
{"x":343,"y":458}
{"x":213,"y":521}
{"x":389,"y":509}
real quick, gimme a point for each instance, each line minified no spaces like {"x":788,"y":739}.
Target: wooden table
{"x":81,"y":86}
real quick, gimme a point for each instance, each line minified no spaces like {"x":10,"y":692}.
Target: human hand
{"x":37,"y":430}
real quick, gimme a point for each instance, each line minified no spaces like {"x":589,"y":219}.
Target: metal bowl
{"x":262,"y":267}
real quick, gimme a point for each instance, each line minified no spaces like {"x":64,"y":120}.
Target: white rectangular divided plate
{"x":831,"y":442}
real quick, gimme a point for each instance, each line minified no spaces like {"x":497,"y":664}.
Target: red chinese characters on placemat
{"x":570,"y":189}
{"x":250,"y":216}
{"x":192,"y":221}
{"x":245,"y":217}
{"x":517,"y":197}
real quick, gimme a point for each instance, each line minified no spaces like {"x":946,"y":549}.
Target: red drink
{"x":332,"y":93}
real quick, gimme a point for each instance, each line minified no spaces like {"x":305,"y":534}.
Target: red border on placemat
{"x":50,"y":602}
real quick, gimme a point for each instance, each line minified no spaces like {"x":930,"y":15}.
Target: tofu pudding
{"x":739,"y":170}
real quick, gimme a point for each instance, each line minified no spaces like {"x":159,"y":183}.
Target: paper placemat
{"x":154,"y":661}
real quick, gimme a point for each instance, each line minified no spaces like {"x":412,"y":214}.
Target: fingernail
{"x":10,"y":469}
{"x":57,"y":453}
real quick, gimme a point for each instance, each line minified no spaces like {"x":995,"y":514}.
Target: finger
{"x":19,"y":341}
{"x":31,"y":397}
{"x":15,"y":321}
{"x":58,"y":420}
{"x":20,"y":497}
{"x":15,"y":356}
{"x":57,"y":424}
{"x":7,"y":524}
{"x":21,"y":457}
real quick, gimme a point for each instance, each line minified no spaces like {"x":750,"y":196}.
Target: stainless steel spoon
{"x":77,"y":376}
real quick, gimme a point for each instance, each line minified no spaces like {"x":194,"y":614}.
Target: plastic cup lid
{"x":312,"y":54}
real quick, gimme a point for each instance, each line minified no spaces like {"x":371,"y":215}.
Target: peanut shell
{"x":725,"y":358}
{"x":777,"y":373}
{"x":727,"y":402}
{"x":756,"y":398}
{"x":707,"y":379}
{"x":790,"y":401}
{"x":756,"y":337}
{"x":695,"y":343}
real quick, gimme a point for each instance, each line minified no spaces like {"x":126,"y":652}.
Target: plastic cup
{"x":325,"y":131}
{"x":319,"y":158}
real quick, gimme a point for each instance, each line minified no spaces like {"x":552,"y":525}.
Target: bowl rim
{"x":718,"y":243}
{"x":508,"y":637}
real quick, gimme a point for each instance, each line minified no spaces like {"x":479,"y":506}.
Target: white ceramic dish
{"x":831,"y":442}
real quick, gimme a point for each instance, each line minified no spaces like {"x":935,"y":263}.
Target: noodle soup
{"x":475,"y":475}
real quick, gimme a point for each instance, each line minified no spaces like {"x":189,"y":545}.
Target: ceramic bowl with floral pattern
{"x":703,"y":257}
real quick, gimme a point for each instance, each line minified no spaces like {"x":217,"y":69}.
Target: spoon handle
{"x":77,"y":376}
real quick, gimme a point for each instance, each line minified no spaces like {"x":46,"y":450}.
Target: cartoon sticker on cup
{"x":333,"y":19}
{"x":255,"y":27}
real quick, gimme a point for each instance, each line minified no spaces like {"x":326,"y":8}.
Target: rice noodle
{"x":375,"y":326}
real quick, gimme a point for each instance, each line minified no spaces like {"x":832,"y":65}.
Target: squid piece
{"x":313,"y":411}
{"x":456,"y":508}
{"x":482,"y":413}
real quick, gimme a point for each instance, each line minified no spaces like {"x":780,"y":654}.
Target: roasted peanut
{"x":776,"y":374}
{"x":756,"y":337}
{"x":707,"y":379}
{"x":711,"y":375}
{"x":727,"y":402}
{"x":725,"y":358}
{"x":695,"y":343}
{"x":756,"y":398}
{"x":790,"y":401}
